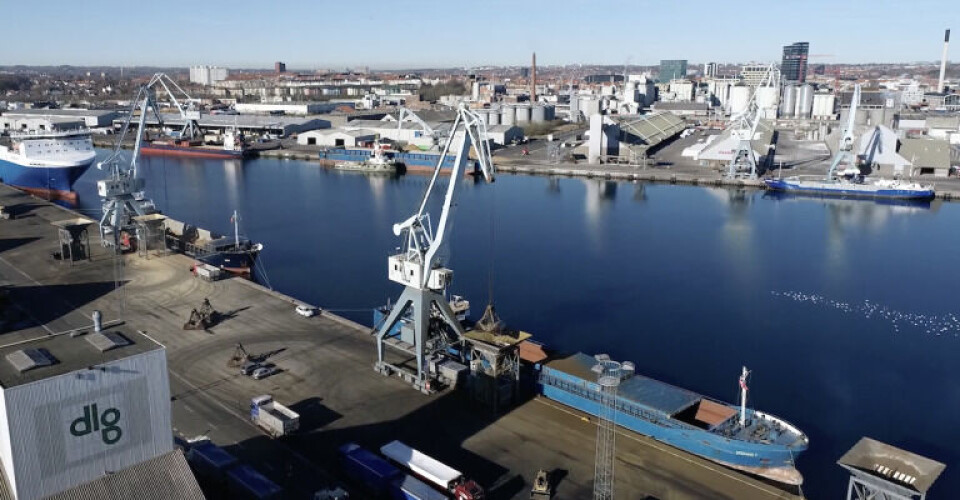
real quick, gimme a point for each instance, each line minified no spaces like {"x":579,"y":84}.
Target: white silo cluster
{"x":517,"y":114}
{"x":824,"y":105}
{"x":797,"y":101}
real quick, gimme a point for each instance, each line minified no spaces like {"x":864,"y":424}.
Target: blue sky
{"x":429,"y":33}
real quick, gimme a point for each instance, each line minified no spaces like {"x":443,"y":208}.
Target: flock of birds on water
{"x":939,"y":325}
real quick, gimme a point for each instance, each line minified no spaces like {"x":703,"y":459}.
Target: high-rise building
{"x":673,"y":69}
{"x":793,"y":68}
{"x":279,"y":67}
{"x":207,"y":75}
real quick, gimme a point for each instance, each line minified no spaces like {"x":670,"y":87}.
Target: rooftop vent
{"x":106,"y":341}
{"x":28,"y":359}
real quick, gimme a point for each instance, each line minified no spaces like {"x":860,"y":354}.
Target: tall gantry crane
{"x":188,"y":112}
{"x":122,"y":191}
{"x":419,"y":267}
{"x":744,"y":128}
{"x":845,"y":154}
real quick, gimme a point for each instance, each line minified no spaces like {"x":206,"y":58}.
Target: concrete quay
{"x":327,"y":377}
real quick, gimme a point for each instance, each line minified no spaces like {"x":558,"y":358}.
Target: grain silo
{"x":788,"y":102}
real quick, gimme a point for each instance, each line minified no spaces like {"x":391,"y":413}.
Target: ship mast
{"x":236,"y":229}
{"x":743,"y":396}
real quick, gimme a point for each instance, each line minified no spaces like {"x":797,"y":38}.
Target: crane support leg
{"x":421,"y":303}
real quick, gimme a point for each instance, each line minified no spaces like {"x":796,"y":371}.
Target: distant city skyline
{"x":434,"y":34}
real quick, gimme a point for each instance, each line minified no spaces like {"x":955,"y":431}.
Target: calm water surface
{"x":842,"y":309}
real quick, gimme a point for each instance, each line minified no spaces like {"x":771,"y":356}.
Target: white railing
{"x":43,"y":134}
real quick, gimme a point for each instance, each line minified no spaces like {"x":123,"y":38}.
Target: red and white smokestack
{"x":533,"y":78}
{"x":943,"y":62}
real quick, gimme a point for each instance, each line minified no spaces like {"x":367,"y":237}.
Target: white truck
{"x":273,"y":417}
{"x":445,"y":478}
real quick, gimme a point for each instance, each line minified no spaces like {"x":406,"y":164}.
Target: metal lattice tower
{"x":608,"y":380}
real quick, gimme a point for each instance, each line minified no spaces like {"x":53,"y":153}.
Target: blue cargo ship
{"x":740,"y":438}
{"x":856,"y":187}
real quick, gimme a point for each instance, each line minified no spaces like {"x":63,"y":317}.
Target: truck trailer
{"x":381,"y":479}
{"x":443,"y":476}
{"x":273,"y":417}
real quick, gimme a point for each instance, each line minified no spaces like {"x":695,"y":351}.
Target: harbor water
{"x":843,"y":310}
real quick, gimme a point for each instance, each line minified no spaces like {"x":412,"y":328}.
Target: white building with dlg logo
{"x":73,"y":409}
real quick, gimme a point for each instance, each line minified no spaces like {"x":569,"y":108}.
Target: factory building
{"x":207,"y":75}
{"x":75,"y":408}
{"x":61,"y":119}
{"x":683,"y":90}
{"x":927,"y":156}
{"x":694,"y":109}
{"x":672,"y":69}
{"x":793,"y":67}
{"x":752,"y":75}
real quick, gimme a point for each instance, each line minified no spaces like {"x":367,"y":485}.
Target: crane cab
{"x":409,"y":273}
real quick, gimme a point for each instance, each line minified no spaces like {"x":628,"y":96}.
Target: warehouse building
{"x":719,"y":150}
{"x":292,"y":108}
{"x":48,"y":119}
{"x":74,"y":408}
{"x":927,"y":156}
{"x":279,"y":126}
{"x":336,"y":138}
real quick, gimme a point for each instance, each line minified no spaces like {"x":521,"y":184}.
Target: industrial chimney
{"x":943,"y":61}
{"x":533,"y":75}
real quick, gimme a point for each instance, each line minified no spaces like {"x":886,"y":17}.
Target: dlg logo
{"x":93,"y":421}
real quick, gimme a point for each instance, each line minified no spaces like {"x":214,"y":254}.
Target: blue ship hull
{"x":840,"y":190}
{"x":59,"y":179}
{"x":653,"y":409}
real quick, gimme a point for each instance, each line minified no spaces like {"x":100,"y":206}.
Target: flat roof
{"x":242,"y":121}
{"x":646,"y":391}
{"x":63,"y":112}
{"x":69,"y":354}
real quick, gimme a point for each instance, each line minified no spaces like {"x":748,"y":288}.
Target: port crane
{"x":188,"y":112}
{"x":744,"y":129}
{"x":418,"y":265}
{"x":122,"y":190}
{"x":845,"y":154}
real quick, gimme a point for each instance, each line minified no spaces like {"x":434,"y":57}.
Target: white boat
{"x":378,"y":162}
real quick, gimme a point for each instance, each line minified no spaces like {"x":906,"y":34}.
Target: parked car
{"x":264,"y":372}
{"x":306,"y":311}
{"x":249,"y":367}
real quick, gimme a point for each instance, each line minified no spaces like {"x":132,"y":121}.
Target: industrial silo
{"x":484,"y":115}
{"x":508,"y":115}
{"x":788,"y":102}
{"x":550,"y":111}
{"x":823,"y":105}
{"x":575,"y":108}
{"x":538,"y":114}
{"x":523,"y":114}
{"x":493,"y":117}
{"x":767,"y":98}
{"x":805,"y":101}
{"x":739,"y":98}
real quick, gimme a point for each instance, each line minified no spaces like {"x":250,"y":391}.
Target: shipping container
{"x":244,"y":482}
{"x":371,"y":471}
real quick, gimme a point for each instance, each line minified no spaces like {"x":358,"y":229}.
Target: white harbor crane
{"x":845,"y":154}
{"x":188,"y":112}
{"x":419,"y":267}
{"x":744,"y":128}
{"x":122,"y":191}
